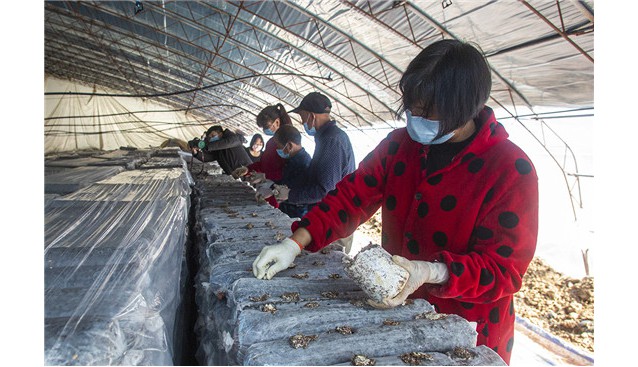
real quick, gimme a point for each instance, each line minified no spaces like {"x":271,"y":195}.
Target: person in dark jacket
{"x":225,"y":147}
{"x":459,"y":200}
{"x":333,"y":157}
{"x":288,"y":143}
{"x":255,"y":148}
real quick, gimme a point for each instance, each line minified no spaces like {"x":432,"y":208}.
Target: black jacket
{"x":228,"y":151}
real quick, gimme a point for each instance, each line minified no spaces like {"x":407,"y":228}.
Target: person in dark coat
{"x":333,"y":157}
{"x":225,"y":147}
{"x":255,"y":148}
{"x":459,"y":200}
{"x":288,"y":143}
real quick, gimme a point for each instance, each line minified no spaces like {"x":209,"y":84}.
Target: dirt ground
{"x":559,"y":304}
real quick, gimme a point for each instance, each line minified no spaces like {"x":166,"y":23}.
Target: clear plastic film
{"x":353,"y":51}
{"x":114,"y":255}
{"x":248,"y":321}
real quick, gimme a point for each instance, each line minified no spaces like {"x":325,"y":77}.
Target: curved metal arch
{"x":176,"y":101}
{"x":333,"y":97}
{"x":153,"y":56}
{"x":230,"y":61}
{"x":511,"y":88}
{"x":373,"y":18}
{"x":418,"y":11}
{"x":168,"y":80}
{"x":306,"y":12}
{"x":444,"y":30}
{"x":263,"y":56}
{"x":239,"y":45}
{"x":175,"y":51}
{"x":79,"y":67}
{"x":327,"y":66}
{"x":88,"y":31}
{"x":556,"y":29}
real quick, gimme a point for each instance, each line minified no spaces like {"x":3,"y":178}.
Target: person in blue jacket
{"x":333,"y":157}
{"x":288,"y":141}
{"x":332,"y":160}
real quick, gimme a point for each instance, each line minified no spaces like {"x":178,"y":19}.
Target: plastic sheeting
{"x":114,"y":269}
{"x":223,"y":61}
{"x":71,"y":180}
{"x":107,"y":123}
{"x":247,"y":321}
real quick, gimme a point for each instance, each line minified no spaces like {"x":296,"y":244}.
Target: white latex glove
{"x":256,"y":178}
{"x":240,"y":172}
{"x":421,"y":272}
{"x":264,"y":190}
{"x":275,"y":258}
{"x":281,"y":192}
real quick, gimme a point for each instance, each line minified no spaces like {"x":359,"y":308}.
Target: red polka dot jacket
{"x":478,"y":215}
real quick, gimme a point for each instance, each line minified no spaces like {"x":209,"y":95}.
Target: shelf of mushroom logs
{"x":555,"y":311}
{"x":313,"y":313}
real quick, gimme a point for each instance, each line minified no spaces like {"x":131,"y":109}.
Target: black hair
{"x":216,"y":128}
{"x":449,"y":77}
{"x":254,"y":139}
{"x":287,"y":133}
{"x":271,"y":113}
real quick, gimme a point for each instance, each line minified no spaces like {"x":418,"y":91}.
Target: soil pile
{"x":562,"y":305}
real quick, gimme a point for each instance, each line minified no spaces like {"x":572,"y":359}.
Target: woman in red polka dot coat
{"x":459,"y":200}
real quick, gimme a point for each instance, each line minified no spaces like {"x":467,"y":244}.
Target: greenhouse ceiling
{"x":229,"y":59}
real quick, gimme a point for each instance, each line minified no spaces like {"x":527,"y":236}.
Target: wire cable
{"x":179,"y":92}
{"x":148,"y":111}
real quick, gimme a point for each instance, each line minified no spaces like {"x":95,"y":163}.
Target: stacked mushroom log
{"x":114,"y":268}
{"x":309,"y":314}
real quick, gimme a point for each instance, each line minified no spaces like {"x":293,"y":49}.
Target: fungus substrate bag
{"x":375,"y":272}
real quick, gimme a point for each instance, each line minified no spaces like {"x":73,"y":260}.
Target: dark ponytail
{"x":271,"y":113}
{"x":284,"y":118}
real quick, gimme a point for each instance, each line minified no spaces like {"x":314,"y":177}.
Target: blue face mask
{"x":214,"y":138}
{"x":269,"y":132}
{"x":310,"y":132}
{"x":423,"y":130}
{"x":282,"y":154}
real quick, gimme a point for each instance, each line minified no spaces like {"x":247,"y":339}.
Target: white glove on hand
{"x":239,"y":172}
{"x":275,"y":258}
{"x":263,"y":190}
{"x":256,"y":178}
{"x":281,"y":192}
{"x":421,"y":272}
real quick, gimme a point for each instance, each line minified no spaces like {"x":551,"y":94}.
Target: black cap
{"x":314,"y":102}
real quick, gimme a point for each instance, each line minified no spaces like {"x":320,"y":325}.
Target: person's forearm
{"x":224,"y":143}
{"x":309,"y":194}
{"x":302,"y":237}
